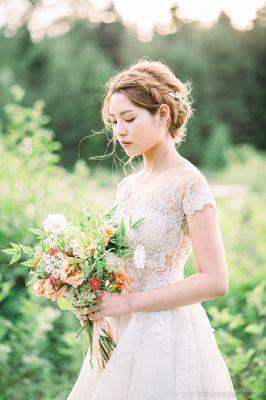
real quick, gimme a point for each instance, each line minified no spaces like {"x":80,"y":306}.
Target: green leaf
{"x":14,"y":245}
{"x":37,"y":232}
{"x":26,"y":249}
{"x":9,"y":251}
{"x":111,"y":212}
{"x":100,"y":264}
{"x":137,"y":223}
{"x":122,"y":227}
{"x":254,"y":329}
{"x":63,"y":304}
{"x":28,"y":263}
{"x":84,"y":256}
{"x":15,"y":258}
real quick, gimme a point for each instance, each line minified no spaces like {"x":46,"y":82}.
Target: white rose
{"x":139,"y":257}
{"x":55,"y":223}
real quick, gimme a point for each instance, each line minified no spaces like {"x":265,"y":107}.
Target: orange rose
{"x":73,"y":278}
{"x":121,"y":280}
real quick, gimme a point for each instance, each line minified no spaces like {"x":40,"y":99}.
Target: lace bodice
{"x":164,"y":232}
{"x":165,"y":345}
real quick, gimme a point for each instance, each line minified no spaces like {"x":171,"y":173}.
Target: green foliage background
{"x":69,"y":72}
{"x":41,"y":172}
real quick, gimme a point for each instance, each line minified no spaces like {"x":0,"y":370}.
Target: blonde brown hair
{"x":148,"y":84}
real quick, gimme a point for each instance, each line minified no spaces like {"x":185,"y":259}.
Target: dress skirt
{"x":160,"y":355}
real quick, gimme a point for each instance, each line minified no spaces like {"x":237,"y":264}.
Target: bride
{"x":166,"y":347}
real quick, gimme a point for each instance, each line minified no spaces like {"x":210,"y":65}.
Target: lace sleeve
{"x":197,"y":194}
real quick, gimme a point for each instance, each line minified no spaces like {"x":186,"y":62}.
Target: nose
{"x":120,"y":130}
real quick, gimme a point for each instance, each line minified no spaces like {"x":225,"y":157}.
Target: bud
{"x":54,"y":283}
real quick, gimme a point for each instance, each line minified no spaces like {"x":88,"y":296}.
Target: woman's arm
{"x":210,"y":282}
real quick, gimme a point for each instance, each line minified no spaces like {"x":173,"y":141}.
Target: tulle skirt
{"x":160,"y":355}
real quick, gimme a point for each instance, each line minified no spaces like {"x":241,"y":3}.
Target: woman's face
{"x":136,"y":125}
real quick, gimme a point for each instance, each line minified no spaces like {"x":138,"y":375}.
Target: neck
{"x":161,"y":157}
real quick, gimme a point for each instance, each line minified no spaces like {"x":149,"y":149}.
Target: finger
{"x":93,"y":310}
{"x":95,"y":316}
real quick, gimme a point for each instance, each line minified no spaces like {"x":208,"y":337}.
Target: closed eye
{"x":127,"y":120}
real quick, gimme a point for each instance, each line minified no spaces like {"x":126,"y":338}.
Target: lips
{"x":126,"y":144}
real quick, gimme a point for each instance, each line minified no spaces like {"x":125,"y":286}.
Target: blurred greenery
{"x":225,"y":67}
{"x":225,"y":138}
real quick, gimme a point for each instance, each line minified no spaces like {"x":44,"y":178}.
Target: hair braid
{"x":149,"y":84}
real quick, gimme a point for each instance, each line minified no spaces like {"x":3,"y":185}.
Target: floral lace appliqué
{"x":196,"y":198}
{"x":165,"y":237}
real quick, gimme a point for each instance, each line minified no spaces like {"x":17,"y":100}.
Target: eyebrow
{"x":123,"y":112}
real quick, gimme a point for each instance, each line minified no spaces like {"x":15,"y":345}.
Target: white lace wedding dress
{"x":169,"y":354}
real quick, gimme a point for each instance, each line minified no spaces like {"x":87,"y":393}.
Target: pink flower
{"x":54,"y":282}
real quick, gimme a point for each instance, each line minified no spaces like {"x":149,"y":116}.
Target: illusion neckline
{"x":142,"y":197}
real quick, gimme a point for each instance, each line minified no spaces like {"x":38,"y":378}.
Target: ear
{"x":163,"y":113}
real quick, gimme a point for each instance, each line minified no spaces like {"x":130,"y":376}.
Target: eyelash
{"x":129,"y":120}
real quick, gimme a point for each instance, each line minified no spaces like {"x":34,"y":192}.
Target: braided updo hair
{"x":148,"y":84}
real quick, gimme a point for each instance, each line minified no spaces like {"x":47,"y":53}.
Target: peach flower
{"x":44,"y":288}
{"x":109,"y":232}
{"x":68,"y":275}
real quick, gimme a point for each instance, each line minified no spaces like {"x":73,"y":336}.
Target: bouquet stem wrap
{"x":102,"y":343}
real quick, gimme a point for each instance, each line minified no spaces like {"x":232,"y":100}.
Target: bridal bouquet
{"x":72,"y":262}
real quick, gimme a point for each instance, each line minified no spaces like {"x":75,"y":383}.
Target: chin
{"x":132,"y":153}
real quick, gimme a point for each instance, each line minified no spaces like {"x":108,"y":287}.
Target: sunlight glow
{"x":242,"y":16}
{"x":143,"y":15}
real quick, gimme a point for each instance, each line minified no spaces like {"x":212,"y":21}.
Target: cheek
{"x":144,"y":127}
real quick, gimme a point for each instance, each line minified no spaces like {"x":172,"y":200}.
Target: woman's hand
{"x":106,"y":305}
{"x":81,"y":314}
